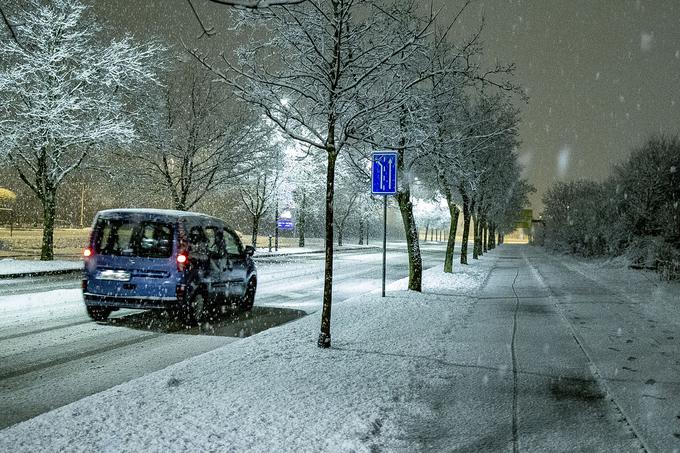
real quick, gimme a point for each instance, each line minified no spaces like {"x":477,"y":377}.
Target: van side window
{"x":215,"y":240}
{"x":232,"y":244}
{"x":197,"y":239}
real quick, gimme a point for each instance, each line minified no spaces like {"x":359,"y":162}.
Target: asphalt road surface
{"x":52,"y":354}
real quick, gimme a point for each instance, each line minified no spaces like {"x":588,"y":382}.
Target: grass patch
{"x":26,"y":242}
{"x":69,"y":242}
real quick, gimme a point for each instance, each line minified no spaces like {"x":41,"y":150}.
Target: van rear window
{"x":130,"y":237}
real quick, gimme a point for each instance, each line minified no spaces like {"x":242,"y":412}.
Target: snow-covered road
{"x":51,"y":353}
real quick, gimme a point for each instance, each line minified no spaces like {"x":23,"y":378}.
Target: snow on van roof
{"x":160,"y":212}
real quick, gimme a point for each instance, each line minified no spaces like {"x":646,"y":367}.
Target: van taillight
{"x":182,"y":260}
{"x":87,"y":252}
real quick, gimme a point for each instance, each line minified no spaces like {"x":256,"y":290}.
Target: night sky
{"x":602,"y":76}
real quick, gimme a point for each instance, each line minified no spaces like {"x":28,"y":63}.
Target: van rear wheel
{"x":248,"y":299}
{"x":194,"y":310}
{"x":98,"y":313}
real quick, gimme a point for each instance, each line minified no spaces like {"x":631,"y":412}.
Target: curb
{"x":40,"y":273}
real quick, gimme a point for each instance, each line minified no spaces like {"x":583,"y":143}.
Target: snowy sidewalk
{"x":628,"y":323}
{"x":277,"y":391}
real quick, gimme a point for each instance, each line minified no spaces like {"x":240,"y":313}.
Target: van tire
{"x":98,"y":313}
{"x":195,"y":309}
{"x":248,"y":299}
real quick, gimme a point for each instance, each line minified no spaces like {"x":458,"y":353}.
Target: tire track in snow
{"x":77,"y":356}
{"x":46,"y":329}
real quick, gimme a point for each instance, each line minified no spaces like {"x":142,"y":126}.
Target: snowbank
{"x":11,"y":266}
{"x":264,"y":251}
{"x":277,"y":391}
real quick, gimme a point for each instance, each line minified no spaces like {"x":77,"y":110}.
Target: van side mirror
{"x":250,"y":250}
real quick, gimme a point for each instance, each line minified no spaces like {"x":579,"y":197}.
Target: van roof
{"x":156,"y":212}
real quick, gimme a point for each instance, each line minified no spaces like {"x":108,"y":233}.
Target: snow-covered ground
{"x":519,"y":350}
{"x":9,"y":266}
{"x":275,"y":391}
{"x":264,"y":251}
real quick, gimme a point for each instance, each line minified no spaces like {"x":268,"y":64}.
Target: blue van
{"x":182,"y":262}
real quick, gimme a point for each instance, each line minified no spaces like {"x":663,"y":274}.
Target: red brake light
{"x":87,"y":253}
{"x":182,"y":259}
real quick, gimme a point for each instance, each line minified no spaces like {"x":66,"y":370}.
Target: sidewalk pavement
{"x":14,"y":268}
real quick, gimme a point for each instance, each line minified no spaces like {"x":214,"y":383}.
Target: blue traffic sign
{"x":384,"y":180}
{"x":285,"y":224}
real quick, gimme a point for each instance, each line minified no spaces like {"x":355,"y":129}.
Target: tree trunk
{"x":256,"y":227}
{"x":480,"y":233}
{"x":361,"y":232}
{"x":480,"y":237}
{"x":485,"y":237}
{"x":415,"y":261}
{"x":276,"y":227}
{"x":49,"y":213}
{"x":448,"y":258}
{"x":325,"y":336}
{"x":466,"y":226}
{"x":492,"y":243}
{"x":340,"y":228}
{"x":475,"y":237}
{"x":301,"y":221}
{"x":427,"y":230}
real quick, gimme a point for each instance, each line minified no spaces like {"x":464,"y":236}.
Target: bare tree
{"x":8,"y":25}
{"x":319,"y":85}
{"x":63,"y":93}
{"x":200,"y":140}
{"x":258,"y":191}
{"x":349,"y":188}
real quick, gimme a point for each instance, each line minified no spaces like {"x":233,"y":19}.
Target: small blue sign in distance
{"x":384,"y":173}
{"x":285,"y":224}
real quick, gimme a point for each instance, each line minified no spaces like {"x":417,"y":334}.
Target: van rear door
{"x":133,"y":256}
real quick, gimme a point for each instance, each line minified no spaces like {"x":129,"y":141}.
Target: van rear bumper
{"x":99,"y":300}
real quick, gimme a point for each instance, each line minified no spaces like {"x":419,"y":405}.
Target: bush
{"x":574,"y":220}
{"x":636,"y":212}
{"x":648,"y":191}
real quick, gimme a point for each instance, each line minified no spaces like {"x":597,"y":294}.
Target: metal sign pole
{"x":384,"y":182}
{"x":384,"y":269}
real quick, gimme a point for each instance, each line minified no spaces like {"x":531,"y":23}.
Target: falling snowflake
{"x":646,"y":41}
